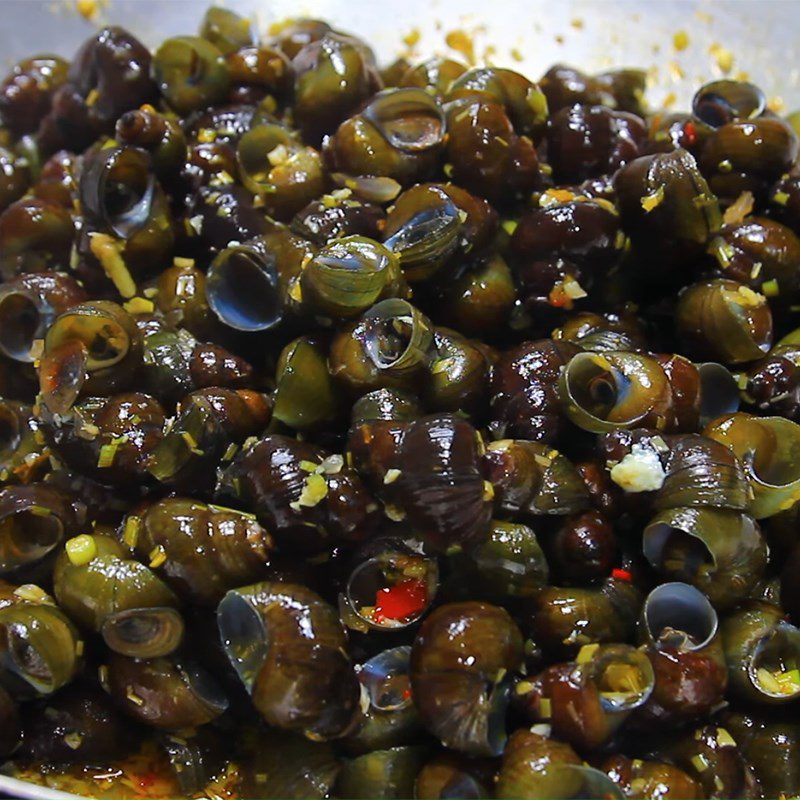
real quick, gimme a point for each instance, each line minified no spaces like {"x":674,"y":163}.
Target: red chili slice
{"x":401,"y":601}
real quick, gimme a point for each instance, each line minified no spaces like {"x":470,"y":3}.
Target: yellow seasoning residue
{"x":676,"y":71}
{"x":722,"y":57}
{"x":411,"y":39}
{"x":461,"y":42}
{"x":680,"y":40}
{"x":314,"y":490}
{"x":88,"y":9}
{"x":776,"y":104}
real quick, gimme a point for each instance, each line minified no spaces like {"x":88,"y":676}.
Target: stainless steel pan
{"x":761,"y":36}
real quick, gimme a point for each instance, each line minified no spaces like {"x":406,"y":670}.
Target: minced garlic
{"x":639,"y":471}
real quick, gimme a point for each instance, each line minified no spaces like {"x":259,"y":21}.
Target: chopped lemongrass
{"x":133,"y":697}
{"x":623,"y":679}
{"x":722,"y":251}
{"x":586,"y":653}
{"x":227,"y":510}
{"x":391,"y":475}
{"x":138,"y":305}
{"x":770,"y":288}
{"x":659,"y":444}
{"x":102,"y":675}
{"x":278,"y":155}
{"x":616,"y":697}
{"x":767,"y":681}
{"x":130,"y":534}
{"x":39,"y":511}
{"x":724,"y":738}
{"x":81,"y":549}
{"x":106,"y":456}
{"x":442,"y":365}
{"x":92,"y":431}
{"x":37,"y":348}
{"x":395,"y":513}
{"x":700,"y":762}
{"x":746,"y":297}
{"x":189,"y":439}
{"x":73,"y":740}
{"x":545,"y":708}
{"x":779,"y":682}
{"x":108,"y":251}
{"x":573,"y":289}
{"x":31,"y":593}
{"x":653,"y":200}
{"x":158,"y":556}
